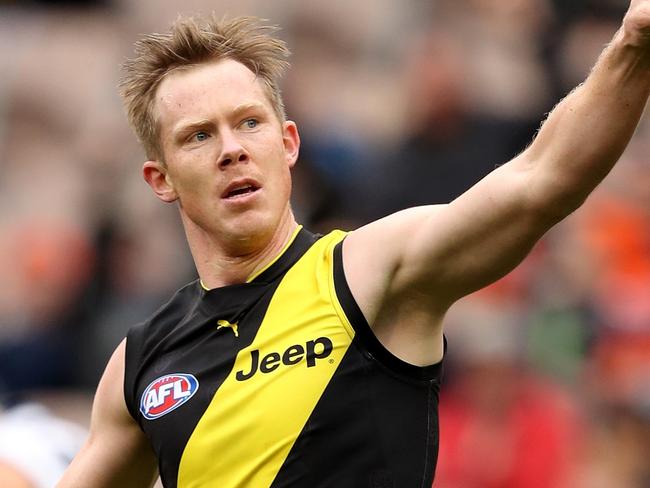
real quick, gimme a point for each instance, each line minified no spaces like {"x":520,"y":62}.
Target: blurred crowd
{"x":399,"y":103}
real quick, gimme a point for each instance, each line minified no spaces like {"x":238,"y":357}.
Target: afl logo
{"x":167,"y":393}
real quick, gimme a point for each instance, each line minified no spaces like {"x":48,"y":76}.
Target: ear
{"x":291,"y":140}
{"x":155,"y":174}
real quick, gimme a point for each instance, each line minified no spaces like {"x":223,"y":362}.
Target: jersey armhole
{"x":366,"y":338}
{"x":131,"y":363}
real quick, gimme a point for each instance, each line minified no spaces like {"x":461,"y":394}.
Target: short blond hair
{"x":190,"y":42}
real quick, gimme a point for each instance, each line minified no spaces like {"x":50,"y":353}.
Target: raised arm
{"x":421,"y":260}
{"x":116,"y":452}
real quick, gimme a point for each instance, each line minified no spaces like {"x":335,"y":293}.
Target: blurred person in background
{"x":399,"y":289}
{"x":35,"y":446}
{"x":504,"y":425}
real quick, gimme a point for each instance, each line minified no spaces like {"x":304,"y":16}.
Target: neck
{"x":223,"y":263}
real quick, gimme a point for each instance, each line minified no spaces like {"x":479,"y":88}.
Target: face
{"x":227,"y":155}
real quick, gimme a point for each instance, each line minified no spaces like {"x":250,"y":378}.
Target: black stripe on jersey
{"x":367,"y":338}
{"x":183,"y":338}
{"x":165,"y":318}
{"x":196,"y":346}
{"x":369,"y":429}
{"x":384,"y":413}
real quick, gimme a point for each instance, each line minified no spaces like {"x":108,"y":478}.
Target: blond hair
{"x":192,"y":41}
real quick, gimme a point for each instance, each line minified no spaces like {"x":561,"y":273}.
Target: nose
{"x":231,"y":150}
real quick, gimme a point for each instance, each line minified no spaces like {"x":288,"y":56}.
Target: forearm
{"x":587,"y":132}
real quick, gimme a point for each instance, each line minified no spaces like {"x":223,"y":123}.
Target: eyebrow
{"x":183,"y":128}
{"x":245,"y":107}
{"x":191,"y":126}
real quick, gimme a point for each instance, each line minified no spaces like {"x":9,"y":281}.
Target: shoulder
{"x":144,"y":336}
{"x":374,"y":254}
{"x":168,"y":314}
{"x":384,"y":241}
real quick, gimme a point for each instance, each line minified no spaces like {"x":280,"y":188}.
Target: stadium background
{"x":399,"y":103}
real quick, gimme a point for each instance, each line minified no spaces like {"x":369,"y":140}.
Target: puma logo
{"x":225,"y":323}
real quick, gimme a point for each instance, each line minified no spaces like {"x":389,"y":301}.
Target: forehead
{"x":206,"y":90}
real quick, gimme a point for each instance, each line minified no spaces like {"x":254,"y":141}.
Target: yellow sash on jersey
{"x":251,"y":424}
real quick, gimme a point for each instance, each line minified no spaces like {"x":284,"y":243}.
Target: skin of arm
{"x":117,"y":452}
{"x":407,"y":269}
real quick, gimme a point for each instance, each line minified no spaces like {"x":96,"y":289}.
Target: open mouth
{"x":240,"y":190}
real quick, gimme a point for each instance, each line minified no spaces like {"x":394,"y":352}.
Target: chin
{"x":253,"y":229}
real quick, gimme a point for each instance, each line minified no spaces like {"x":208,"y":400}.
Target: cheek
{"x":288,"y":180}
{"x":281,"y":187}
{"x":284,"y":179}
{"x":193,"y":185}
{"x":278,"y":168}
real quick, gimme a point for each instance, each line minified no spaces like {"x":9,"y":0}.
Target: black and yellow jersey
{"x":279,"y":382}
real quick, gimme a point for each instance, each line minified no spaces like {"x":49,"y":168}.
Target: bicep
{"x":116,"y":452}
{"x":443,"y":252}
{"x":477,"y":238}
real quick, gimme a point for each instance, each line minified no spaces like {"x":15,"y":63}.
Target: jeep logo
{"x":317,"y":349}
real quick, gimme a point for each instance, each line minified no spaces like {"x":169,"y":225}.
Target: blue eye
{"x":201,"y":136}
{"x":251,"y":123}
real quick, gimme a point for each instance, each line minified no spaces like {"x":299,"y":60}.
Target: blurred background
{"x":399,"y":103}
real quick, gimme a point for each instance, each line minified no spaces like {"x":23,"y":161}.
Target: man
{"x":299,"y":361}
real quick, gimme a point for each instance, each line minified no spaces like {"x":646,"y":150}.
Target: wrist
{"x":630,"y":47}
{"x":630,"y":37}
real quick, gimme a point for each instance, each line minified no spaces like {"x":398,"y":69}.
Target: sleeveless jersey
{"x":279,"y":382}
